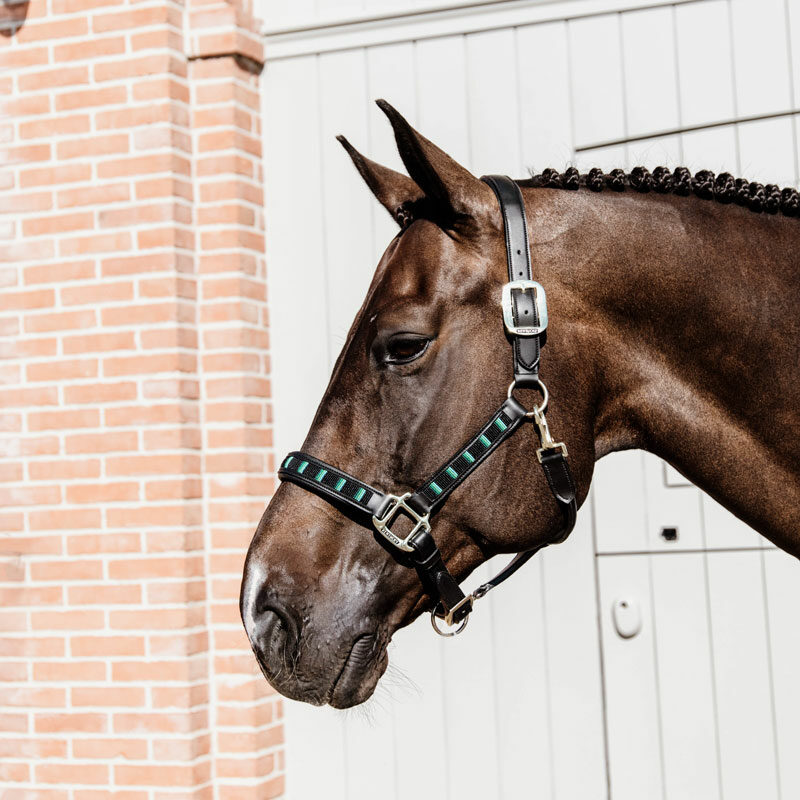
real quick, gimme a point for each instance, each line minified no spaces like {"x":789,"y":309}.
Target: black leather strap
{"x":440,"y":585}
{"x":527,"y":349}
{"x":559,"y":478}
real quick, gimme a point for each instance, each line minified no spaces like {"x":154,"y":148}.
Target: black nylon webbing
{"x":332,"y":483}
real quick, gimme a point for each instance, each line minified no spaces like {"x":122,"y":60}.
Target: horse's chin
{"x":348,"y":683}
{"x":356,"y":682}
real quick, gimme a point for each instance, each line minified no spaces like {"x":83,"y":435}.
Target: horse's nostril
{"x":274,"y":638}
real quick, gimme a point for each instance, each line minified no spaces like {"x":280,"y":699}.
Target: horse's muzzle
{"x":307,"y":661}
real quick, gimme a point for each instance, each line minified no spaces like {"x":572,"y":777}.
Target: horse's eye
{"x":404,"y":347}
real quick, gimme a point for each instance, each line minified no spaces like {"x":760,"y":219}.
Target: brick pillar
{"x":134,"y":412}
{"x":238,"y":468}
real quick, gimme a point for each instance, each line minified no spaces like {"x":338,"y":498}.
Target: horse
{"x":673,"y":328}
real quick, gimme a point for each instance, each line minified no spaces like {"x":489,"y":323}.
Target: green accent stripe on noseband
{"x":469,"y":457}
{"x":322,"y":474}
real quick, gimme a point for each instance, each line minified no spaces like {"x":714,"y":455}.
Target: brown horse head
{"x":427,"y":361}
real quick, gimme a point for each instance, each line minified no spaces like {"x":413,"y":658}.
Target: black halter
{"x":525,"y":318}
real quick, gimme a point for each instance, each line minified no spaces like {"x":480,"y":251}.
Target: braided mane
{"x":723,"y":188}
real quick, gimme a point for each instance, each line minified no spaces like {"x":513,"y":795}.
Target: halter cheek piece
{"x":525,"y":317}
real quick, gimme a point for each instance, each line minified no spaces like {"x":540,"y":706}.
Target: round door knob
{"x":627,"y":615}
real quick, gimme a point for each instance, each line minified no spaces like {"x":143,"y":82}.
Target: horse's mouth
{"x":354,"y":681}
{"x":365,"y":664}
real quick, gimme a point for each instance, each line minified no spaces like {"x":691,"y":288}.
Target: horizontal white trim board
{"x":313,"y":22}
{"x":367,"y":31}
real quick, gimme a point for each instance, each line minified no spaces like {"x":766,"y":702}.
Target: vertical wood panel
{"x":662,"y":151}
{"x":632,"y":711}
{"x":390,"y":75}
{"x":741,"y":669}
{"x":715,"y":149}
{"x":793,"y":45}
{"x":420,"y":724}
{"x":347,"y":206}
{"x":598,"y":107}
{"x":619,"y":503}
{"x":704,"y":62}
{"x":493,"y":103}
{"x":761,"y":61}
{"x":688,"y":724}
{"x":766,"y":150}
{"x":651,"y":79}
{"x":521,"y":661}
{"x":671,"y":506}
{"x":573,"y":657}
{"x":442,"y":112}
{"x":782,"y":573}
{"x":292,"y":158}
{"x":544,"y":91}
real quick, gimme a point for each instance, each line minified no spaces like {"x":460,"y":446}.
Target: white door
{"x":702,"y":700}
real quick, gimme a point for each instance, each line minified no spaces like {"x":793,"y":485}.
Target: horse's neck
{"x":702,"y":306}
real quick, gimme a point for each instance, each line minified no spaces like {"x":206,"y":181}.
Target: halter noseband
{"x":525,"y":317}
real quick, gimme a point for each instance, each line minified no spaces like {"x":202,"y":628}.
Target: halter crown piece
{"x":524,"y":306}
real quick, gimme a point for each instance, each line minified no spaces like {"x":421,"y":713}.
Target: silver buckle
{"x":539,"y":299}
{"x":397,"y":504}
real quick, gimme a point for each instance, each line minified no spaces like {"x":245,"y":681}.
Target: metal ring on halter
{"x":443,"y":632}
{"x":545,"y":397}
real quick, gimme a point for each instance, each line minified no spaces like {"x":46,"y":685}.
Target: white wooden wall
{"x":552,"y":703}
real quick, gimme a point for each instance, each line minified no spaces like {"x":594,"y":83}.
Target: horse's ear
{"x":395,"y":192}
{"x":454,"y":191}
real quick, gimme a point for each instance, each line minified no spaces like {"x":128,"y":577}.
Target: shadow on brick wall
{"x":12,"y":16}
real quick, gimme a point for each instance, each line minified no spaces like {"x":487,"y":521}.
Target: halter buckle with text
{"x":539,"y":299}
{"x":397,"y":505}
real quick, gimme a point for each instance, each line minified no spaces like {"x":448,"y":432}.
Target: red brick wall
{"x":135,"y":449}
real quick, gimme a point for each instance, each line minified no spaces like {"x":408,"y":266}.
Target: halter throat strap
{"x":525,"y":319}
